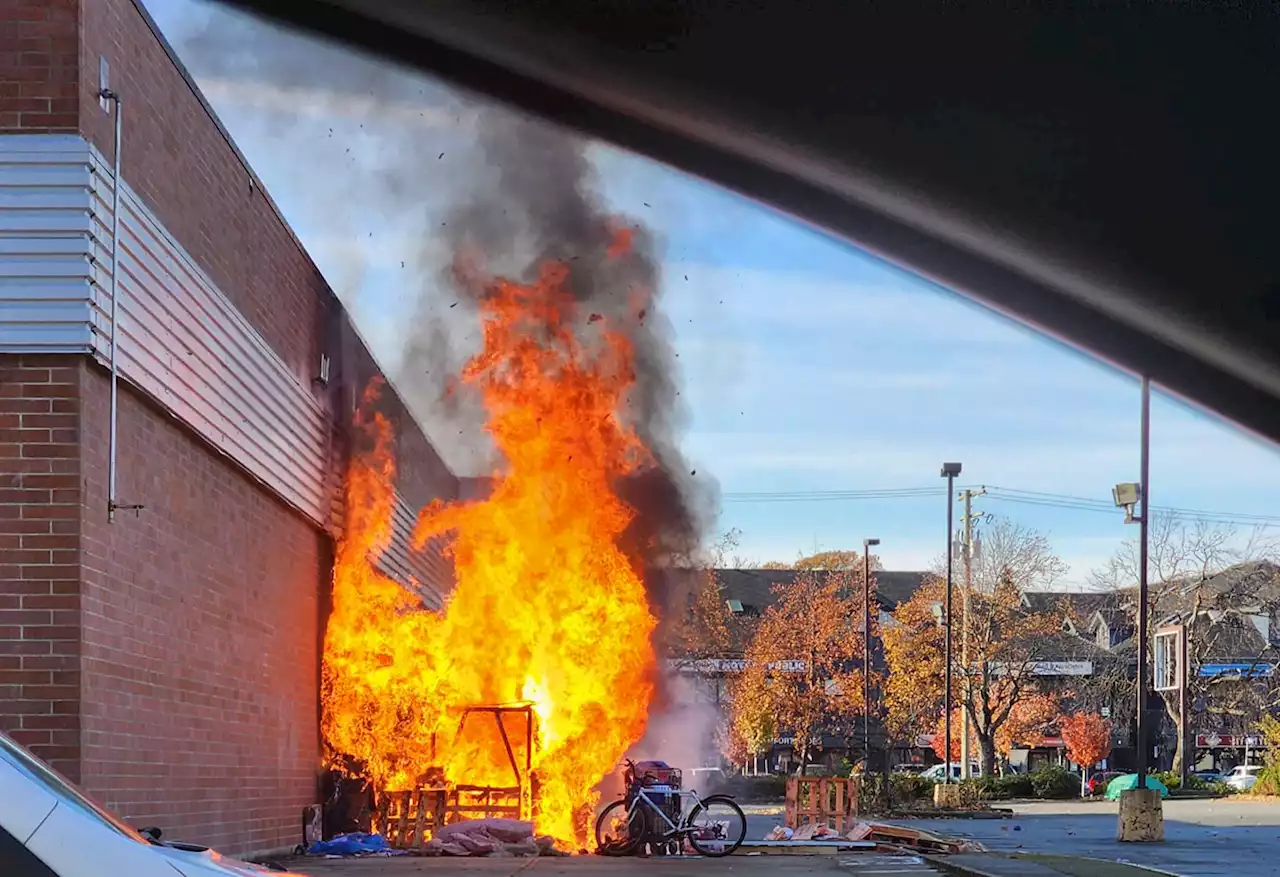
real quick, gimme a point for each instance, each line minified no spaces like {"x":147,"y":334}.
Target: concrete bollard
{"x":946,"y":797}
{"x":1141,"y":816}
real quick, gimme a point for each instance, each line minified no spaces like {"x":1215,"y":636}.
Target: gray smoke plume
{"x":530,"y":197}
{"x":683,"y":734}
{"x":448,"y":172}
{"x":373,"y":161}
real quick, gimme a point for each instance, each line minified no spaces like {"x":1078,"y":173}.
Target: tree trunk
{"x":987,"y":743}
{"x":1171,"y":708}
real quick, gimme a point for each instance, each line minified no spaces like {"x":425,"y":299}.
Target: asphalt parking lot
{"x":1204,"y":838}
{"x":866,"y":864}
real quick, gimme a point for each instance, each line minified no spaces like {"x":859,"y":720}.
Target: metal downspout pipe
{"x":116,"y":182}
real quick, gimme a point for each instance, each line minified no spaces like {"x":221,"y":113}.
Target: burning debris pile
{"x":550,"y":608}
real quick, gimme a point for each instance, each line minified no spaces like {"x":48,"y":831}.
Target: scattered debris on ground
{"x":489,"y":837}
{"x":811,"y":831}
{"x":915,"y":839}
{"x":492,"y":837}
{"x":879,"y":833}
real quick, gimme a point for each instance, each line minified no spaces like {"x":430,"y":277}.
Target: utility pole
{"x":1144,"y":477}
{"x":867,"y":544}
{"x":966,"y":497}
{"x":949,"y":471}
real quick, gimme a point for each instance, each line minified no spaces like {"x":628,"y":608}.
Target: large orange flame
{"x":547,"y":609}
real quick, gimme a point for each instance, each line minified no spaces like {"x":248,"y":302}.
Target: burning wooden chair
{"x":408,"y":818}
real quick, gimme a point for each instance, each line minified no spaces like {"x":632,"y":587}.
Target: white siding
{"x":44,"y":244}
{"x":182,"y":341}
{"x":186,"y":345}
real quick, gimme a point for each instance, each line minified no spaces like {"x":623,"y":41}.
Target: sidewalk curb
{"x":1148,"y":868}
{"x":941,"y":863}
{"x":993,"y":813}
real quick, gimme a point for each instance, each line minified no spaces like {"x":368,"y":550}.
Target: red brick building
{"x":168,"y":659}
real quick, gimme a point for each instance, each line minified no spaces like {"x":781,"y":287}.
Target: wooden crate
{"x":410,"y":818}
{"x":828,"y":801}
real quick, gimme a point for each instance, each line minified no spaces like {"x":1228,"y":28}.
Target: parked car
{"x":49,"y":828}
{"x":1098,"y":782}
{"x":937,"y":772}
{"x":1209,"y":776}
{"x":1242,"y":777}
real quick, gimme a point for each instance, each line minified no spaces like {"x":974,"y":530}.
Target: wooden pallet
{"x":827,"y":801}
{"x":410,"y":818}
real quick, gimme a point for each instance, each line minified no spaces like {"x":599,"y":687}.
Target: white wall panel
{"x":181,"y":340}
{"x":44,"y":244}
{"x":184,"y":343}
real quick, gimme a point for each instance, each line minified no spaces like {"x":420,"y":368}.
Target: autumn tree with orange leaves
{"x":1028,"y":722}
{"x":952,"y":757}
{"x":751,"y":721}
{"x":803,"y":665}
{"x":1088,"y":739}
{"x":1006,"y":642}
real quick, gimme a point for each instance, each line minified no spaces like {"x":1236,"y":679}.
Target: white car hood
{"x":206,"y":863}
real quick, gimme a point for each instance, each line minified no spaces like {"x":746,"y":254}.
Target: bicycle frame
{"x":682,"y":828}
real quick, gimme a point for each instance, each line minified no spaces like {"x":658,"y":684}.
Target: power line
{"x":832,"y":495}
{"x":1013,"y":495}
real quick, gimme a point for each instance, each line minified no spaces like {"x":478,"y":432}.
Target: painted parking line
{"x":886,"y":865}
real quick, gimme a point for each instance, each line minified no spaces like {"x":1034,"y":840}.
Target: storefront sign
{"x":1226,"y":741}
{"x":1259,"y":670}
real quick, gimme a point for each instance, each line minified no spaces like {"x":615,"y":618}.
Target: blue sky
{"x":808,"y":366}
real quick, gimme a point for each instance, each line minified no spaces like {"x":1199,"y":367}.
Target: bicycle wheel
{"x":719,"y":826}
{"x":618,"y":830}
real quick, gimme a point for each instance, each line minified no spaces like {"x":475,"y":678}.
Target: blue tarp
{"x":354,"y":844}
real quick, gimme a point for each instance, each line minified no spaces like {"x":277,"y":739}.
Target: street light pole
{"x":1128,"y":496}
{"x":1143,"y":525}
{"x":1141,"y":814}
{"x":949,"y":472}
{"x":866,"y":651}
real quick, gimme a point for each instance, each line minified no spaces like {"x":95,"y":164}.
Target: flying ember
{"x":547,"y":609}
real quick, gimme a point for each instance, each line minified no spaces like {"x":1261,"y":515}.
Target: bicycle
{"x":645,"y":816}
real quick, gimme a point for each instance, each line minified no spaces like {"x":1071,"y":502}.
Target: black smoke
{"x":448,"y":171}
{"x":531,"y":196}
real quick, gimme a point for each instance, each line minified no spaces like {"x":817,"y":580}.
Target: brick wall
{"x":39,"y":563}
{"x":170,"y":660}
{"x":200,"y":616}
{"x":39,"y":65}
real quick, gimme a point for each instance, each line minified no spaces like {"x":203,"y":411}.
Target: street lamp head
{"x":867,"y":543}
{"x":950,"y":470}
{"x":1126,"y":495}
